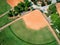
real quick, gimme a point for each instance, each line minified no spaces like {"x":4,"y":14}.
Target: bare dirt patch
{"x":35,"y":20}
{"x":13,"y":3}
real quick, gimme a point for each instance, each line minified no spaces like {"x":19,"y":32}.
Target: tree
{"x":43,"y":4}
{"x":21,"y":5}
{"x":10,"y":13}
{"x":34,"y":1}
{"x":52,"y":8}
{"x":17,"y":9}
{"x":58,"y":1}
{"x":49,"y":2}
{"x":15,"y":13}
{"x":27,"y":4}
{"x":56,"y":21}
{"x":54,"y":17}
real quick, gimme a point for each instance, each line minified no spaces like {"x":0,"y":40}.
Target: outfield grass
{"x":4,"y":6}
{"x":43,"y":36}
{"x":8,"y":38}
{"x":4,"y":20}
{"x":56,"y":23}
{"x":18,"y":34}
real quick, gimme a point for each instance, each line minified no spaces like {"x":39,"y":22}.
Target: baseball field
{"x":26,"y":32}
{"x":40,"y":37}
{"x":18,"y":34}
{"x":22,"y":33}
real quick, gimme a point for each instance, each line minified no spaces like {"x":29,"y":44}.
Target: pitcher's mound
{"x":35,"y":20}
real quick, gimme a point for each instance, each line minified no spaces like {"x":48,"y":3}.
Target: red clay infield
{"x":35,"y":20}
{"x":58,"y":7}
{"x":13,"y":3}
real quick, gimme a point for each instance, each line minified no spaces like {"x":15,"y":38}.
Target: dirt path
{"x":5,"y":13}
{"x":52,"y":30}
{"x":9,"y":24}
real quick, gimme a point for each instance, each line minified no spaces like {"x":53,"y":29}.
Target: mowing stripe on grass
{"x":27,"y":34}
{"x":30,"y":42}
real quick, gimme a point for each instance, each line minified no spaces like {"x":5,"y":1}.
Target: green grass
{"x":56,"y":23}
{"x":4,"y":20}
{"x":43,"y":36}
{"x":4,"y":6}
{"x":18,"y":34}
{"x":9,"y":37}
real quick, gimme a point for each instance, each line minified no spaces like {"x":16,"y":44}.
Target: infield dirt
{"x":35,"y":20}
